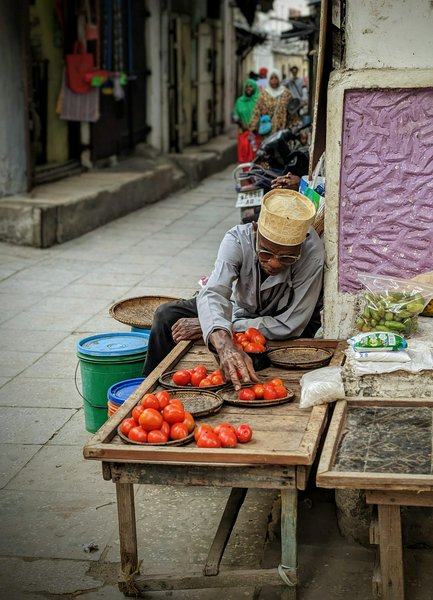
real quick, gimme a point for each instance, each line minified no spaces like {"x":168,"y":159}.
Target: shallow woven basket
{"x":138,"y":311}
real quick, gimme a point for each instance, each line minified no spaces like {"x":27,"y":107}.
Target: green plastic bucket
{"x":104,"y":360}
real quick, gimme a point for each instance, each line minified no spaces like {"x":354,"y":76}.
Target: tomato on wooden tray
{"x":137,"y":434}
{"x":150,"y":419}
{"x":178,"y":431}
{"x":244,"y":433}
{"x":209,"y":440}
{"x":157,"y":436}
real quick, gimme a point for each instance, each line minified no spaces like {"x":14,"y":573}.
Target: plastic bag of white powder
{"x":321,"y":386}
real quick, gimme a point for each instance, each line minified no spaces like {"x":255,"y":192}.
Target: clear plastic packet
{"x":392,"y":304}
{"x":377,"y":341}
{"x":321,"y":386}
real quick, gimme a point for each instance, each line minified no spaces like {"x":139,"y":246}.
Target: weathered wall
{"x":12,"y":131}
{"x":379,"y":195}
{"x":389,"y":33}
{"x":367,"y":212}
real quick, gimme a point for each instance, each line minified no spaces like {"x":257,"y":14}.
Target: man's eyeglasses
{"x":284,"y":259}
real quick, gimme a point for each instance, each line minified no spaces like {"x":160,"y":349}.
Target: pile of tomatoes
{"x":223,"y":435}
{"x":157,"y":419}
{"x":250,"y":341}
{"x":197,"y":377}
{"x":272,"y":390}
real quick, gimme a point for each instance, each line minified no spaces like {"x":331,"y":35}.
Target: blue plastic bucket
{"x":106,"y":359}
{"x":120,"y":392}
{"x":139,"y":330}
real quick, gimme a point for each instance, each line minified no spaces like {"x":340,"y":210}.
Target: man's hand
{"x":186,"y":329}
{"x":235,"y":365}
{"x":288,"y":181}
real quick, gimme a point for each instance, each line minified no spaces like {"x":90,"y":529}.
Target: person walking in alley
{"x":296,"y":86}
{"x":262,"y":82}
{"x":248,"y":142}
{"x":267,"y":275}
{"x":271,"y":107}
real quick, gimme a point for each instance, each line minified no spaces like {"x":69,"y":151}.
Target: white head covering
{"x":275,"y":92}
{"x":285,"y":217}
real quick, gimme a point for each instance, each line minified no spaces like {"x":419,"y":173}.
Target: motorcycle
{"x":275,"y":157}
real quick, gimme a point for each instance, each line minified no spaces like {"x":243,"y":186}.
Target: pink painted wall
{"x":386,"y":184}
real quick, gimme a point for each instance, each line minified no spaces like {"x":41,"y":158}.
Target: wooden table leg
{"x":391,"y":552}
{"x":127,"y":534}
{"x":289,"y":550}
{"x":228,"y":520}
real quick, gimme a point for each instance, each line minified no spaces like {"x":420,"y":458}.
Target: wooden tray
{"x":300,"y":357}
{"x":166,"y":381}
{"x":182,"y":442}
{"x":230,"y":396}
{"x":200,"y":403}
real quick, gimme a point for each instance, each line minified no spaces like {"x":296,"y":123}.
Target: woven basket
{"x":139,"y":311}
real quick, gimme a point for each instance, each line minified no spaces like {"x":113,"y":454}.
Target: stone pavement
{"x":52,"y":501}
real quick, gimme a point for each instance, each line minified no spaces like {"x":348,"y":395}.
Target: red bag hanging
{"x":77,"y":65}
{"x":246,"y":151}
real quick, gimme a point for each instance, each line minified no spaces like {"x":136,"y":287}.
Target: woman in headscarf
{"x":242,"y":113}
{"x":272,"y":102}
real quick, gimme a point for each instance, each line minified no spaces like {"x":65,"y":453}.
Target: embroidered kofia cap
{"x":285,"y":217}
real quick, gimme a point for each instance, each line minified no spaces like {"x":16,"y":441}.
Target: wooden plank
{"x":222,"y":536}
{"x":415,"y":498}
{"x":302,"y":476}
{"x":384,"y":402}
{"x":258,"y":476}
{"x":106,"y":471}
{"x":375,"y":481}
{"x":127,"y":529}
{"x":373,"y":531}
{"x":376,"y":581}
{"x":289,"y":547}
{"x":391,"y":552}
{"x":196,"y":580}
{"x":331,"y":443}
{"x":313,"y":430}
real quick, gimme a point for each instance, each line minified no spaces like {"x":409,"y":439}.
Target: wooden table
{"x":384,"y":447}
{"x":283,"y":447}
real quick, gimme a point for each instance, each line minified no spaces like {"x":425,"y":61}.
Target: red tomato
{"x":258,"y":338}
{"x":281,"y":391}
{"x":173,"y":413}
{"x":209,"y":440}
{"x":137,"y":434}
{"x":163,"y":399}
{"x":165,"y":428}
{"x":216,"y":372}
{"x":196,"y":377}
{"x":181,"y":377}
{"x":200,"y":369}
{"x":189,"y":421}
{"x":156,"y":436}
{"x":206,"y":382}
{"x":176,"y":401}
{"x":127,"y":424}
{"x":221,"y":426}
{"x":241,"y":338}
{"x":251,"y":332}
{"x":216,"y":380}
{"x":178,"y":431}
{"x":270,"y":393}
{"x":276,"y":381}
{"x":246,"y":394}
{"x":136,"y":412}
{"x":204,"y":428}
{"x":150,"y":419}
{"x":253,"y":348}
{"x":228,"y":438}
{"x":259,"y":390}
{"x":244,"y":433}
{"x":150,"y":401}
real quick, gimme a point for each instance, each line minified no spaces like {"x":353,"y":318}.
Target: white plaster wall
{"x":389,"y":34}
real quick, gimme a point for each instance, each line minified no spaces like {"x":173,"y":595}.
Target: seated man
{"x":267,"y":275}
